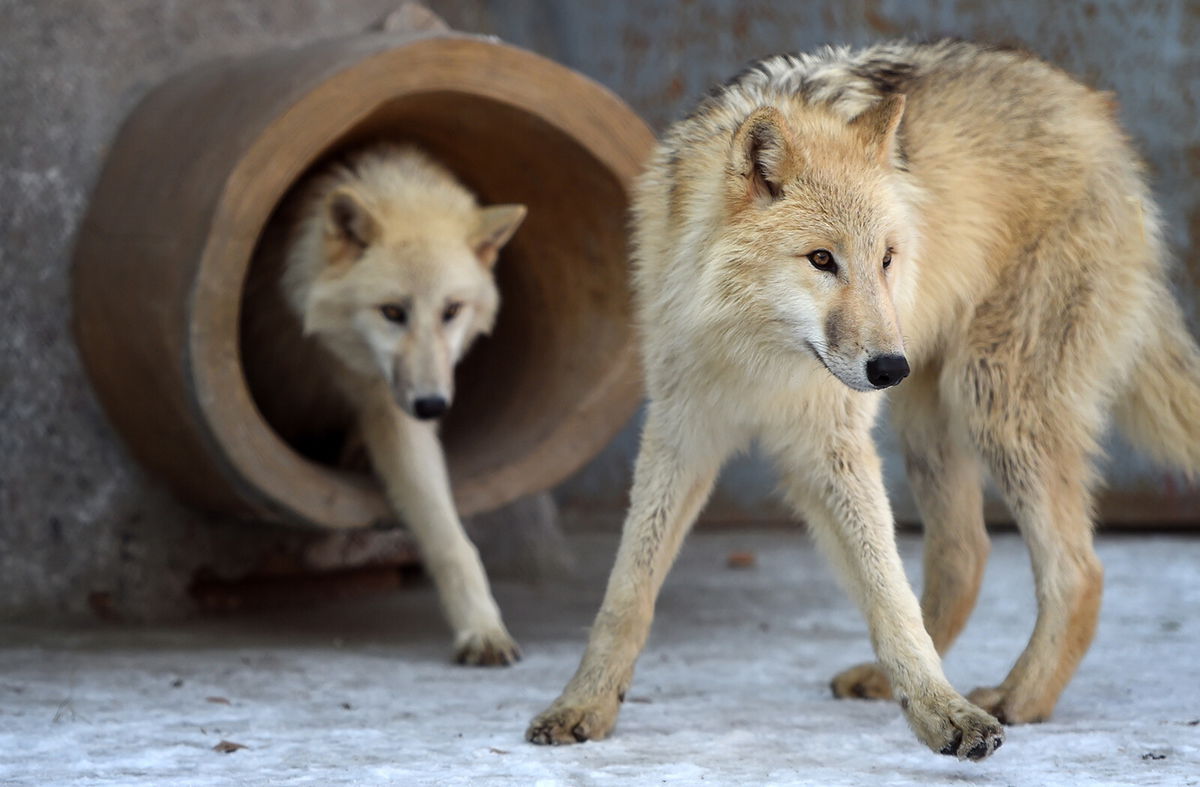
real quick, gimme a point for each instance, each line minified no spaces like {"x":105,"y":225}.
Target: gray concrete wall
{"x":661,"y":56}
{"x":79,"y":520}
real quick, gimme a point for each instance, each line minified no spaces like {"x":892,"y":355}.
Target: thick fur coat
{"x":824,"y":226}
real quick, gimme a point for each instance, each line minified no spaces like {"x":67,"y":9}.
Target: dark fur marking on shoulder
{"x":886,"y":76}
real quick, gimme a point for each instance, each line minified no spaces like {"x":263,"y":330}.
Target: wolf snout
{"x":884,"y":371}
{"x":429,"y":407}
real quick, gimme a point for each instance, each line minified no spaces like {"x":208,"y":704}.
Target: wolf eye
{"x":822,"y":260}
{"x":394,"y":313}
{"x":887,"y":258}
{"x":451,"y":311}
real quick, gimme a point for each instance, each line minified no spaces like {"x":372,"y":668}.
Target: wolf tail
{"x":1160,"y":410}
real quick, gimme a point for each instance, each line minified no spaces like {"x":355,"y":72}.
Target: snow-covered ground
{"x":732,"y":688}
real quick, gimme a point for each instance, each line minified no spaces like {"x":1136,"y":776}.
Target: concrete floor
{"x":731,"y":690}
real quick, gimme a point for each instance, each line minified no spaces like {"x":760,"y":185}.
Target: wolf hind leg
{"x":946,"y":481}
{"x":1034,"y":405}
{"x":1047,"y":488}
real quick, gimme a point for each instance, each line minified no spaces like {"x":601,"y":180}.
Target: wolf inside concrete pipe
{"x":189,"y":187}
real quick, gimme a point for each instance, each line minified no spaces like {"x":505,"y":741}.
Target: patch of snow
{"x":732,"y":688}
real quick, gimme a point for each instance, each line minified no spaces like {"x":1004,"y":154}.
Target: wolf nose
{"x":428,"y":407}
{"x":887,"y":370}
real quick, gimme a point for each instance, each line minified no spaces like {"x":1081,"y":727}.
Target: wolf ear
{"x":349,"y":221}
{"x":497,"y":223}
{"x":762,"y":154}
{"x":877,"y":126}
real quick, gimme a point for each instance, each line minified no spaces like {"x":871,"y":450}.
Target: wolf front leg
{"x":672,"y":480}
{"x":833,"y":476}
{"x":408,"y":458}
{"x":945,"y":476}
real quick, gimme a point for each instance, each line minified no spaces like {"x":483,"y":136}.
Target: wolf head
{"x":393,"y":273}
{"x":818,"y":237}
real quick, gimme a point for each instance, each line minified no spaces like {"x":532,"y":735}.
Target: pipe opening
{"x":564,"y":318}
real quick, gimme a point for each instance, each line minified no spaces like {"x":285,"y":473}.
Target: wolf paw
{"x":1002,"y":705}
{"x":486,"y":649}
{"x":863,"y":682}
{"x":573,"y":722}
{"x":950,"y":725}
